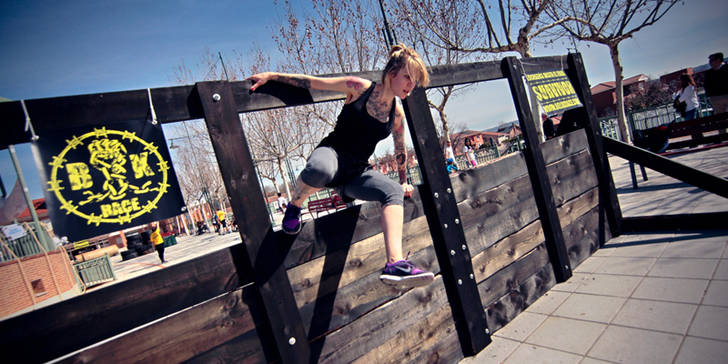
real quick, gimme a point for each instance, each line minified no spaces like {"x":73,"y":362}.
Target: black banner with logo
{"x":107,"y":178}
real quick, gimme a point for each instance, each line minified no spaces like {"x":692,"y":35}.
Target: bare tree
{"x":609,"y":22}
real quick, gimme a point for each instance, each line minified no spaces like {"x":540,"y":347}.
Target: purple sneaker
{"x":291,"y":223}
{"x":404,"y":274}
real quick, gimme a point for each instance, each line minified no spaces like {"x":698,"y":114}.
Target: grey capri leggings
{"x":371,"y":185}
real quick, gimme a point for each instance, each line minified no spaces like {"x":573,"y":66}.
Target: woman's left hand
{"x":408,"y":189}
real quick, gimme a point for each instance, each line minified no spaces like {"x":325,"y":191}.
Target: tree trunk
{"x":622,"y":120}
{"x":283,"y":176}
{"x":445,"y":127}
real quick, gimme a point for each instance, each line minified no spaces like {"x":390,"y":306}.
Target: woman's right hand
{"x":260,"y":79}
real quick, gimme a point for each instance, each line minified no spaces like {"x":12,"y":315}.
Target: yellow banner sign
{"x":554,"y":91}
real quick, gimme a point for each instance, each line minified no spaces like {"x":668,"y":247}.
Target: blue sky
{"x":53,"y":48}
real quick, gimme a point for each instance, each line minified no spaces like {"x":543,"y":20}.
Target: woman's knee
{"x":392,"y":194}
{"x":320,"y":168}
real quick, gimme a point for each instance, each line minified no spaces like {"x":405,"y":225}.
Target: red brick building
{"x":604,"y":95}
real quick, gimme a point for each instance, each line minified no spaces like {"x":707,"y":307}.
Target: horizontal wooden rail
{"x":697,"y":221}
{"x":178,"y":103}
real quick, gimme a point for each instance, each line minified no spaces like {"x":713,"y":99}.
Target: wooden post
{"x":443,"y":218}
{"x":537,"y":172}
{"x":607,"y":192}
{"x":264,"y":256}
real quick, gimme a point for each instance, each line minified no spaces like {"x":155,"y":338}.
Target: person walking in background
{"x":221,"y":215}
{"x":688,"y":95}
{"x":716,"y":83}
{"x":282,"y":203}
{"x":341,"y":160}
{"x":470,"y":153}
{"x":157,"y":240}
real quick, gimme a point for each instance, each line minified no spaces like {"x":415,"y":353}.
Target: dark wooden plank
{"x":699,"y":125}
{"x":563,"y":146}
{"x":582,"y":236}
{"x":265,"y":254}
{"x":242,"y":349}
{"x":440,"y":207}
{"x":516,"y":300}
{"x":697,"y":178}
{"x":608,"y":194}
{"x":498,"y":284}
{"x":543,"y":64}
{"x":513,"y":69}
{"x":423,"y":311}
{"x":332,"y":291}
{"x":696,"y":221}
{"x":184,"y":335}
{"x":571,"y":176}
{"x":473,"y":182}
{"x":70,"y":325}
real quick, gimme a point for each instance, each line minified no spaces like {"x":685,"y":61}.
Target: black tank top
{"x":355,"y":137}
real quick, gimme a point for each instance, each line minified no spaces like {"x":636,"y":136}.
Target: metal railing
{"x":24,"y":246}
{"x":95,"y":271}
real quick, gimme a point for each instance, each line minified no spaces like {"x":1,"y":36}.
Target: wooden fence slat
{"x":184,"y":335}
{"x":95,"y":316}
{"x":440,"y":207}
{"x":608,"y":194}
{"x":537,"y":171}
{"x":265,"y":255}
{"x":695,"y":221}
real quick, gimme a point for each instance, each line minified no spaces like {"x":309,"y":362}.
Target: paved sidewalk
{"x":643,"y":298}
{"x":657,"y":298}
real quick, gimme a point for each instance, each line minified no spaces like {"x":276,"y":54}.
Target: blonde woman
{"x":340,"y":160}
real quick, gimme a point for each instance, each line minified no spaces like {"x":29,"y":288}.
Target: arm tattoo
{"x":354,"y":84}
{"x":400,"y":152}
{"x":294,"y":80}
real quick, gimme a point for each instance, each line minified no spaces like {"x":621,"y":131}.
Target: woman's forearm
{"x":297,"y":80}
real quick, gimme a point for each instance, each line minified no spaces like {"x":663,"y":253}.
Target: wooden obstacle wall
{"x":316,"y":297}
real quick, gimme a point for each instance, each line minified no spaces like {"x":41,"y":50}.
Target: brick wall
{"x":14,"y":295}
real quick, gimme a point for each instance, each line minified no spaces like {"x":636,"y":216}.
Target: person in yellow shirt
{"x":157,"y":240}
{"x":223,"y":223}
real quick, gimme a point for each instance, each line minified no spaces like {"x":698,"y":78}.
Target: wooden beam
{"x":265,"y":255}
{"x":440,"y":207}
{"x":608,"y":194}
{"x":537,"y":171}
{"x":182,"y":103}
{"x":697,"y":178}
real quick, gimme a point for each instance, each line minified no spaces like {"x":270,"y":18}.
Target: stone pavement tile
{"x":671,"y":289}
{"x":717,"y":294}
{"x":573,"y":282}
{"x":496,"y":352}
{"x":532,"y":354}
{"x":656,"y":315}
{"x":626,"y":265}
{"x":699,"y":350}
{"x":694,"y":249}
{"x":588,"y":360}
{"x":522,"y":326}
{"x":722,"y":271}
{"x":608,"y":285}
{"x":590,"y":307}
{"x":548,"y":303}
{"x":648,"y":248}
{"x":574,"y":336}
{"x":590,"y":265}
{"x":629,"y":345}
{"x":683,"y":268}
{"x":710,"y":322}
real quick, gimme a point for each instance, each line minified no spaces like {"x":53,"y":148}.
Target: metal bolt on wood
{"x":487,"y":331}
{"x":452,"y":252}
{"x":457,"y":221}
{"x":449,"y":190}
{"x":445,"y":225}
{"x":472,"y":276}
{"x":216,"y":97}
{"x":292,"y":341}
{"x":436,"y":195}
{"x":460,"y":282}
{"x":464,"y":246}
